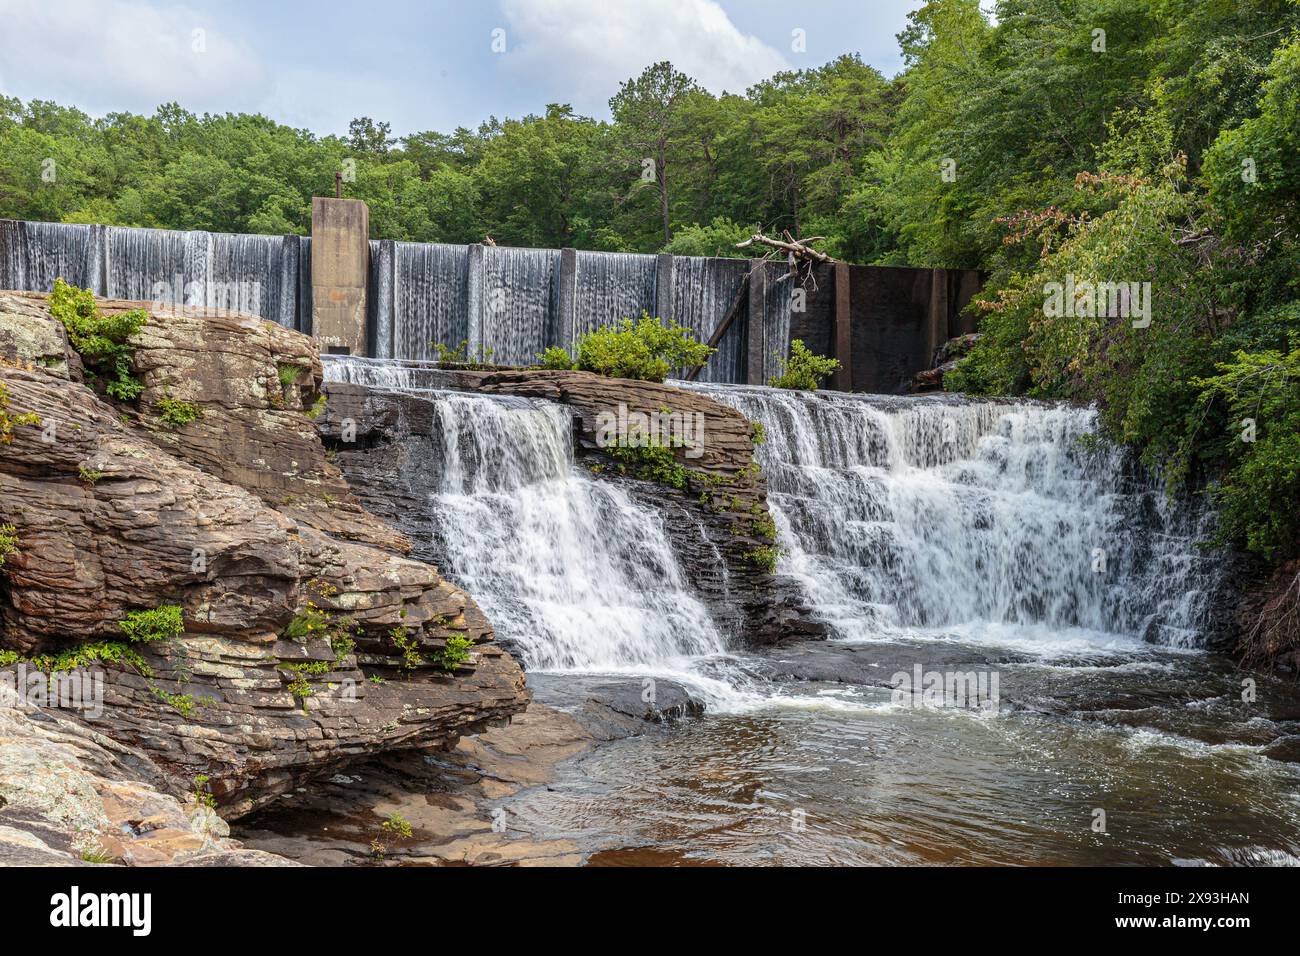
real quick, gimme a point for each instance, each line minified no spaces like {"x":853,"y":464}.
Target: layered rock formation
{"x":718,"y":519}
{"x":310,"y":639}
{"x":71,"y":796}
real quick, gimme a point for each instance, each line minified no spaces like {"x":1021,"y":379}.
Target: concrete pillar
{"x":843,"y":338}
{"x":664,"y":286}
{"x":756,"y":332}
{"x":340,"y":267}
{"x":563,"y":326}
{"x":474,"y":300}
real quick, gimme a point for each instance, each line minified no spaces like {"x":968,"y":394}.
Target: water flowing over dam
{"x":402,"y":300}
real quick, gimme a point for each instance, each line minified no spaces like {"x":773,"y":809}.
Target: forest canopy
{"x":1143,"y":145}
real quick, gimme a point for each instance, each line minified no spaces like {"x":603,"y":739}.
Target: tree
{"x":649,"y":116}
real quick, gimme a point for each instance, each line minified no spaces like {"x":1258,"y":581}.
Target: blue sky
{"x":417,"y":65}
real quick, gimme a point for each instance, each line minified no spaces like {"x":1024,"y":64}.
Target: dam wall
{"x":388,"y":299}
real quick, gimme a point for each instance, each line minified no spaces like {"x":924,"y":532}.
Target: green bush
{"x":651,"y":462}
{"x":804,"y":369}
{"x":764,"y":558}
{"x":101,"y":341}
{"x":1257,"y":437}
{"x":8,"y":542}
{"x":157,"y":624}
{"x":645,"y":349}
{"x":460,"y":355}
{"x":9,"y":422}
{"x":176,"y":413}
{"x":556,"y":359}
{"x":454,"y":653}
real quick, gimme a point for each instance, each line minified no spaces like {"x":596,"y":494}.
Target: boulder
{"x":238,"y":518}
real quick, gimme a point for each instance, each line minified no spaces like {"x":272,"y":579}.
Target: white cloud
{"x":583,"y":49}
{"x":122,"y":54}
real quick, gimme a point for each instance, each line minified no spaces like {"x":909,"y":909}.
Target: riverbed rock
{"x":71,"y":796}
{"x":239,"y":518}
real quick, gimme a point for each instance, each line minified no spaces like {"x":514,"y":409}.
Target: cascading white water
{"x":573,"y":571}
{"x":908,"y":513}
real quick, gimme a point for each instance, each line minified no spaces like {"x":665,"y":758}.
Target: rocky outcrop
{"x":311,"y":638}
{"x":71,"y":796}
{"x":718,"y":518}
{"x":1268,"y":619}
{"x":946,"y":358}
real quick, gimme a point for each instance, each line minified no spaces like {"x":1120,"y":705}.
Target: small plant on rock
{"x":157,"y":624}
{"x":176,"y":413}
{"x":203,"y":792}
{"x":411,"y":656}
{"x":804,"y":369}
{"x":9,"y":422}
{"x":764,"y":558}
{"x":455,"y":652}
{"x":8,"y":542}
{"x":398,"y":826}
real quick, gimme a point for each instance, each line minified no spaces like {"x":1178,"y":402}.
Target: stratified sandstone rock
{"x":238,"y":518}
{"x":69,"y":795}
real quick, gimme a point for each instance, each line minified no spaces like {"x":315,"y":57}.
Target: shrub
{"x":804,"y":369}
{"x":1259,"y":395}
{"x":764,"y":558}
{"x":8,"y":542}
{"x":9,"y":422}
{"x":556,"y":359}
{"x":203,"y":792}
{"x":645,"y":349}
{"x":311,"y":620}
{"x":455,"y":652}
{"x":101,"y":341}
{"x":288,"y":374}
{"x":411,"y":656}
{"x":460,"y":355}
{"x":176,"y":413}
{"x":89,"y":475}
{"x":398,"y":826}
{"x":651,"y":462}
{"x":158,"y":624}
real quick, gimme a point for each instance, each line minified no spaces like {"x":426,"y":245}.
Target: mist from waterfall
{"x":900,"y":514}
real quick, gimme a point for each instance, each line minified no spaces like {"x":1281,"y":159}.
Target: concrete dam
{"x":387,"y":299}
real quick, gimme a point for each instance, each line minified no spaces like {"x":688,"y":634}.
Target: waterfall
{"x":429,"y":299}
{"x":703,"y":289}
{"x":611,"y":286}
{"x":34,"y":254}
{"x":571,"y":570}
{"x":939,"y":512}
{"x":208,"y":270}
{"x":518,"y":288}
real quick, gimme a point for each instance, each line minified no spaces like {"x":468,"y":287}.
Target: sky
{"x":418,"y":66}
